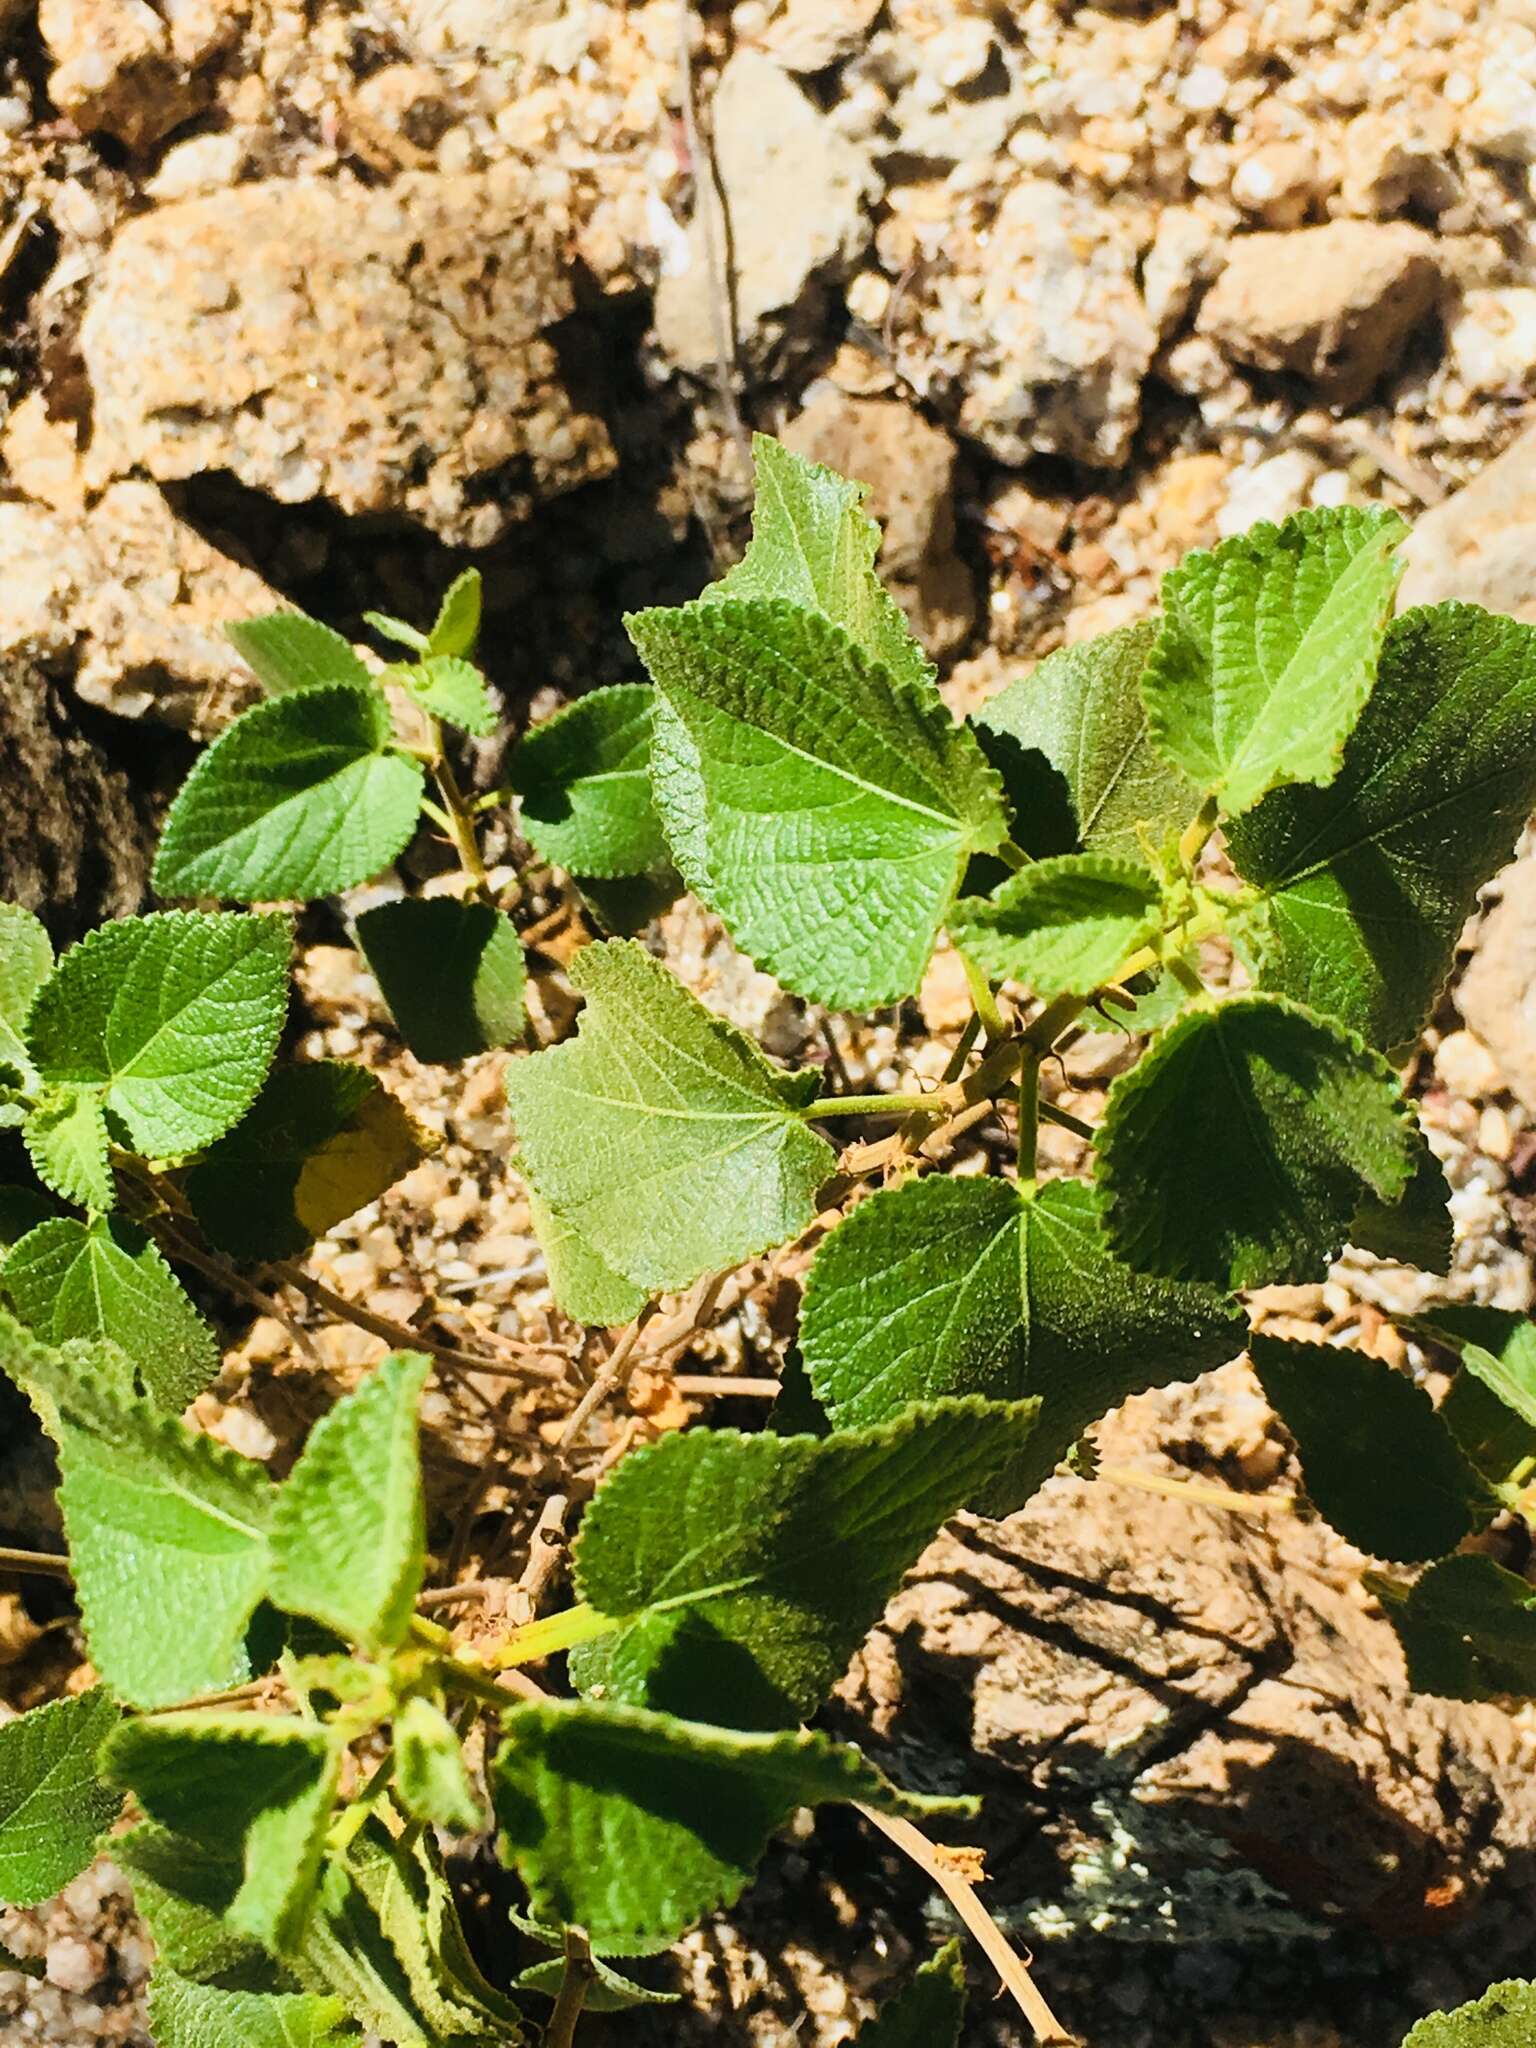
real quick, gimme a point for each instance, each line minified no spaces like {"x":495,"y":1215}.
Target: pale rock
{"x":384,"y":347}
{"x":909,"y":468}
{"x":796,"y":195}
{"x":1466,"y":1066}
{"x":130,"y":599}
{"x":1497,"y":993}
{"x":1390,"y":165}
{"x":492,"y":28}
{"x":1272,"y":489}
{"x":1278,"y":182}
{"x":203,"y":163}
{"x":126,"y":69}
{"x":1185,"y":254}
{"x":1492,"y":339}
{"x":1480,"y":544}
{"x":1501,"y":120}
{"x":1334,"y":305}
{"x":808,"y":35}
{"x":1060,"y":336}
{"x":965,"y":94}
{"x":74,"y":1964}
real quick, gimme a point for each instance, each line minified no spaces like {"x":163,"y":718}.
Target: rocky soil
{"x":323,"y":300}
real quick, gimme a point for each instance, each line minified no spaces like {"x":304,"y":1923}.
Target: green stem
{"x":582,"y":1624}
{"x":1197,"y":832}
{"x":1029,"y":1121}
{"x":461,"y":824}
{"x":1014,"y":856}
{"x":872,"y":1105}
{"x":1050,"y":1114}
{"x":983,"y":998}
{"x":349,"y":1822}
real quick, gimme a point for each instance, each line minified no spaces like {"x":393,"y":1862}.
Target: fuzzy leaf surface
{"x":584,"y":777}
{"x":1369,"y":882}
{"x":430,"y":1777}
{"x":289,"y":651}
{"x":66,"y":1140}
{"x":585,"y":1286}
{"x":1378,"y":1462}
{"x":946,"y":1286}
{"x":1416,"y":1229}
{"x":634,"y":1825}
{"x":1491,"y":1406}
{"x":1240,"y":1147}
{"x":188,"y":2015}
{"x":1468,"y":1630}
{"x":265,"y":1781}
{"x":453,"y":974}
{"x":167,"y":1529}
{"x":822,"y":805}
{"x":53,"y":1805}
{"x":1081,"y":710}
{"x":106,"y":1278}
{"x":815,"y":546}
{"x":1063,"y":926}
{"x":182,"y":1889}
{"x":457,"y":625}
{"x":925,"y":2013}
{"x":303,"y":795}
{"x":661,"y":1134}
{"x":26,"y":961}
{"x":1504,"y":2017}
{"x":319,"y":1142}
{"x":1268,"y":649}
{"x":452,"y":689}
{"x":747,"y":1569}
{"x":349,"y":1530}
{"x":172,"y":1018}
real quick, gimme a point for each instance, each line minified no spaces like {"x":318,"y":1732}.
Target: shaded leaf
{"x":1491,"y":1406}
{"x":1064,"y":926}
{"x":183,"y":1888}
{"x":1369,"y":882}
{"x":1080,"y":711}
{"x":747,"y":1569}
{"x":661,"y":1134}
{"x":349,"y":1530}
{"x":303,"y":795}
{"x":1416,"y":1229}
{"x":947,"y":1286}
{"x":822,"y":805}
{"x":1378,"y":1462}
{"x":430,"y":1777}
{"x":452,"y":973}
{"x":174,"y":1018}
{"x":1242,"y":1146}
{"x":635,"y":1825}
{"x":584,"y":777}
{"x":53,"y":1804}
{"x":1268,"y":650}
{"x":188,"y":2015}
{"x":106,"y":1278}
{"x":925,"y":2013}
{"x":319,"y":1143}
{"x":1468,"y":1629}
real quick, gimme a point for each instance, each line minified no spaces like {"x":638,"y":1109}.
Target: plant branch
{"x":44,"y":1563}
{"x":961,"y":1894}
{"x":707,"y":199}
{"x":461,"y":823}
{"x":1199,"y":1494}
{"x":574,"y":1984}
{"x":400,"y":1335}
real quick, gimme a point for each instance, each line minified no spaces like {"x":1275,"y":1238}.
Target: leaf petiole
{"x":555,"y":1632}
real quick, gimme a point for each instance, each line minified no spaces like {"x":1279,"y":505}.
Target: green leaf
{"x":289,"y":651}
{"x":584,"y":777}
{"x":452,"y":973}
{"x":1064,"y":926}
{"x":1081,"y":710}
{"x":457,"y":625}
{"x":182,"y":1889}
{"x":947,"y":1286}
{"x":661,"y":1134}
{"x":265,"y":1781}
{"x":174,"y":1018}
{"x":188,"y":2015}
{"x":623,"y":907}
{"x":634,"y":1825}
{"x":300,"y":797}
{"x":823,"y":805}
{"x":814,"y":546}
{"x":609,"y":1990}
{"x":581,"y":1283}
{"x":26,"y":961}
{"x":1241,"y":1146}
{"x":66,"y":1140}
{"x":1378,"y":1462}
{"x":167,"y":1530}
{"x":320,"y":1142}
{"x":1468,"y":1629}
{"x":106,"y":1278}
{"x":451,"y":689}
{"x":1268,"y":649}
{"x":430,"y":1777}
{"x":1504,"y":2017}
{"x":927,"y":2012}
{"x":1368,"y":883}
{"x":747,"y":1569}
{"x":53,"y":1805}
{"x":349,"y":1530}
{"x":1491,"y":1406}
{"x":1415,"y":1230}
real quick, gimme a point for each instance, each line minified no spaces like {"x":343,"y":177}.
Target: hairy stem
{"x":573,"y":1990}
{"x":461,"y":824}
